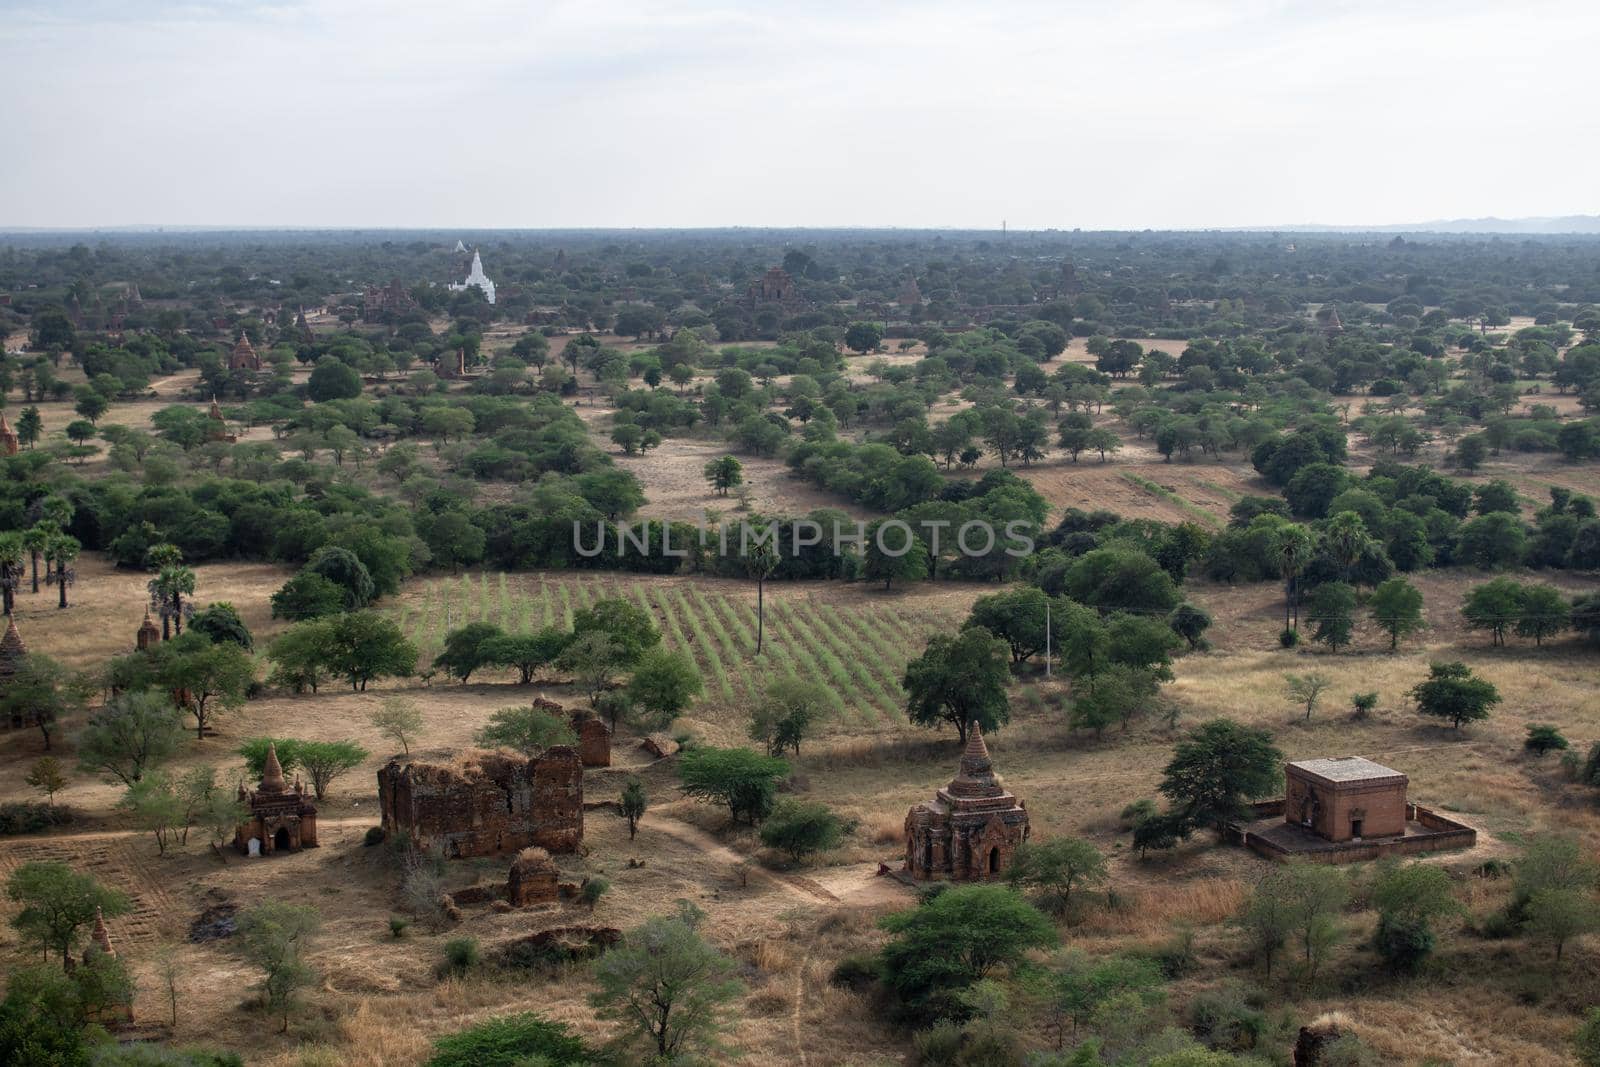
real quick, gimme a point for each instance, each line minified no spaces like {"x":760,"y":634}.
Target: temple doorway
{"x":280,"y":840}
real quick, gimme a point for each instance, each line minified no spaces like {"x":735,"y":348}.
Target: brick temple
{"x":486,"y":802}
{"x":971,"y":828}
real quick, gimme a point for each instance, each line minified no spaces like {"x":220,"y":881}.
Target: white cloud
{"x":494,"y":113}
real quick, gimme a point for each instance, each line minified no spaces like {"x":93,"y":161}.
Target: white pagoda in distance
{"x":476,"y":277}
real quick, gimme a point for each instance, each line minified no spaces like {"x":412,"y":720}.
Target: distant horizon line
{"x":1541,"y":225}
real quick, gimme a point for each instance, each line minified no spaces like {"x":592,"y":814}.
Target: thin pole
{"x":1047,"y":638}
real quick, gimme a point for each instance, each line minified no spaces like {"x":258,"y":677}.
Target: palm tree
{"x":1347,"y":539}
{"x":760,"y":562}
{"x":12,"y":556}
{"x":173,"y":581}
{"x":1293,"y":550}
{"x":36,"y":539}
{"x":61,"y":552}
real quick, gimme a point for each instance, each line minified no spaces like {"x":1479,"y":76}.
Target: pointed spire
{"x":977,"y":751}
{"x":101,"y":935}
{"x":272,"y":774}
{"x":12,"y":649}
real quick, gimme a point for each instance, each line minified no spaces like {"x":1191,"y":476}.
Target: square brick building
{"x":1346,"y":798}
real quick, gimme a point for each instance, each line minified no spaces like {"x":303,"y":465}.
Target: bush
{"x":801,"y":828}
{"x":1288,"y":637}
{"x":398,"y":924}
{"x":508,"y":1041}
{"x":855,"y":973}
{"x":374,"y":836}
{"x":30,"y":817}
{"x":593,"y":889}
{"x":1403,"y":944}
{"x":1543,"y":738}
{"x":937,"y":1046}
{"x":461,"y":954}
{"x":1226,"y":1019}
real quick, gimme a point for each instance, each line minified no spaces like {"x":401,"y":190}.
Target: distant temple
{"x":381,"y":302}
{"x":9,"y":441}
{"x":12,"y":651}
{"x":777,"y":286}
{"x":243,"y":356}
{"x":476,"y":277}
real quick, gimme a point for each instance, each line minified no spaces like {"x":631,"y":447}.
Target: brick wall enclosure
{"x":486,"y":802}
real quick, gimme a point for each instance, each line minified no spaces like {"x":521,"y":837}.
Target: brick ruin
{"x":594,"y":736}
{"x":486,"y":802}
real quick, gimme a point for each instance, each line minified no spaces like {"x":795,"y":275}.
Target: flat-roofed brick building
{"x":1345,"y":798}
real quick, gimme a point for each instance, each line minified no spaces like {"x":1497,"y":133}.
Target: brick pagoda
{"x":970,"y":829}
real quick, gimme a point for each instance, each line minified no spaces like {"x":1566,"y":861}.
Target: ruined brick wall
{"x":594,"y":742}
{"x":486,"y":802}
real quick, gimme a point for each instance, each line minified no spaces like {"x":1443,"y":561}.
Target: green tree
{"x":346,"y":570}
{"x":47,"y":776}
{"x":1333,"y":608}
{"x":1396,"y":606}
{"x":629,"y":627}
{"x":333,"y":380}
{"x":741,"y":778}
{"x":594,"y":659}
{"x":464,"y":649}
{"x":1304,"y":690}
{"x":529,"y":730}
{"x":1543,"y":738}
{"x":42,"y":692}
{"x":1217,"y":768}
{"x":221,"y":622}
{"x":1452,"y":692}
{"x":528,"y":653}
{"x":215,"y":677}
{"x":663,"y":684}
{"x":298,"y":655}
{"x":959,"y":680}
{"x":61,"y":552}
{"x":132,"y":734}
{"x":1492,"y":542}
{"x":801,"y":828}
{"x":30,"y":426}
{"x":1293,"y":548}
{"x":940,"y":948}
{"x":863,"y":337}
{"x":57,"y":903}
{"x":273,"y":936}
{"x":398,"y":719}
{"x":1545,"y":613}
{"x":1408,"y":898}
{"x":325,"y":761}
{"x":666,"y":986}
{"x":1495,"y":606}
{"x":724,"y":474}
{"x":785,"y":714}
{"x":893,"y":552}
{"x":364,"y":645}
{"x":154,"y":804}
{"x":1056,"y":868}
{"x":307,"y":596}
{"x":1190,"y":622}
{"x":1558,"y":915}
{"x":1586,"y":1041}
{"x":632,"y":804}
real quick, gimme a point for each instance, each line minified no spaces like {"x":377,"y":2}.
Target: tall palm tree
{"x":1294,"y":549}
{"x":61,"y":552}
{"x":1347,"y":539}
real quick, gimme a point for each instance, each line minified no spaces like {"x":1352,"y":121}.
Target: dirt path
{"x":803,"y":888}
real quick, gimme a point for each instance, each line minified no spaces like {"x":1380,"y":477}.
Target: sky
{"x":529,"y":114}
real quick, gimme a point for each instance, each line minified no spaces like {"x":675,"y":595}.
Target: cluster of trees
{"x":610,"y":638}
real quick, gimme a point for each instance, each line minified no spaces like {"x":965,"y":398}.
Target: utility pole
{"x":1047,"y":638}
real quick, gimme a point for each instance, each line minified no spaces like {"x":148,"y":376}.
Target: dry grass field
{"x":380,"y":1001}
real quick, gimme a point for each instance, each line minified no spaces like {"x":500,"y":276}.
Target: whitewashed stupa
{"x":476,"y":277}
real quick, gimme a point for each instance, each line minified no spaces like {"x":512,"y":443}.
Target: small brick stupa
{"x":243,"y":356}
{"x":12,"y":650}
{"x":970,"y":829}
{"x":9,"y":441}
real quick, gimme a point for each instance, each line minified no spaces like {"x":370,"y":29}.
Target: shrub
{"x":511,"y":1040}
{"x":374,"y":836}
{"x":1225,"y":1019}
{"x":398,"y":924}
{"x":593,"y":889}
{"x":1543,"y":738}
{"x":1288,"y":637}
{"x":31,"y":817}
{"x":1362,"y":704}
{"x":461,"y":954}
{"x":1402,"y":943}
{"x":855,"y":973}
{"x":801,"y":828}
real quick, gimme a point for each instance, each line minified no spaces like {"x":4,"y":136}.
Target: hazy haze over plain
{"x":500,"y":114}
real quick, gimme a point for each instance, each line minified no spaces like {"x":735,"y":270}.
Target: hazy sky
{"x":488,"y":113}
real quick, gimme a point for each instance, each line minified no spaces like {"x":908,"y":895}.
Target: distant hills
{"x":1585,"y":224}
